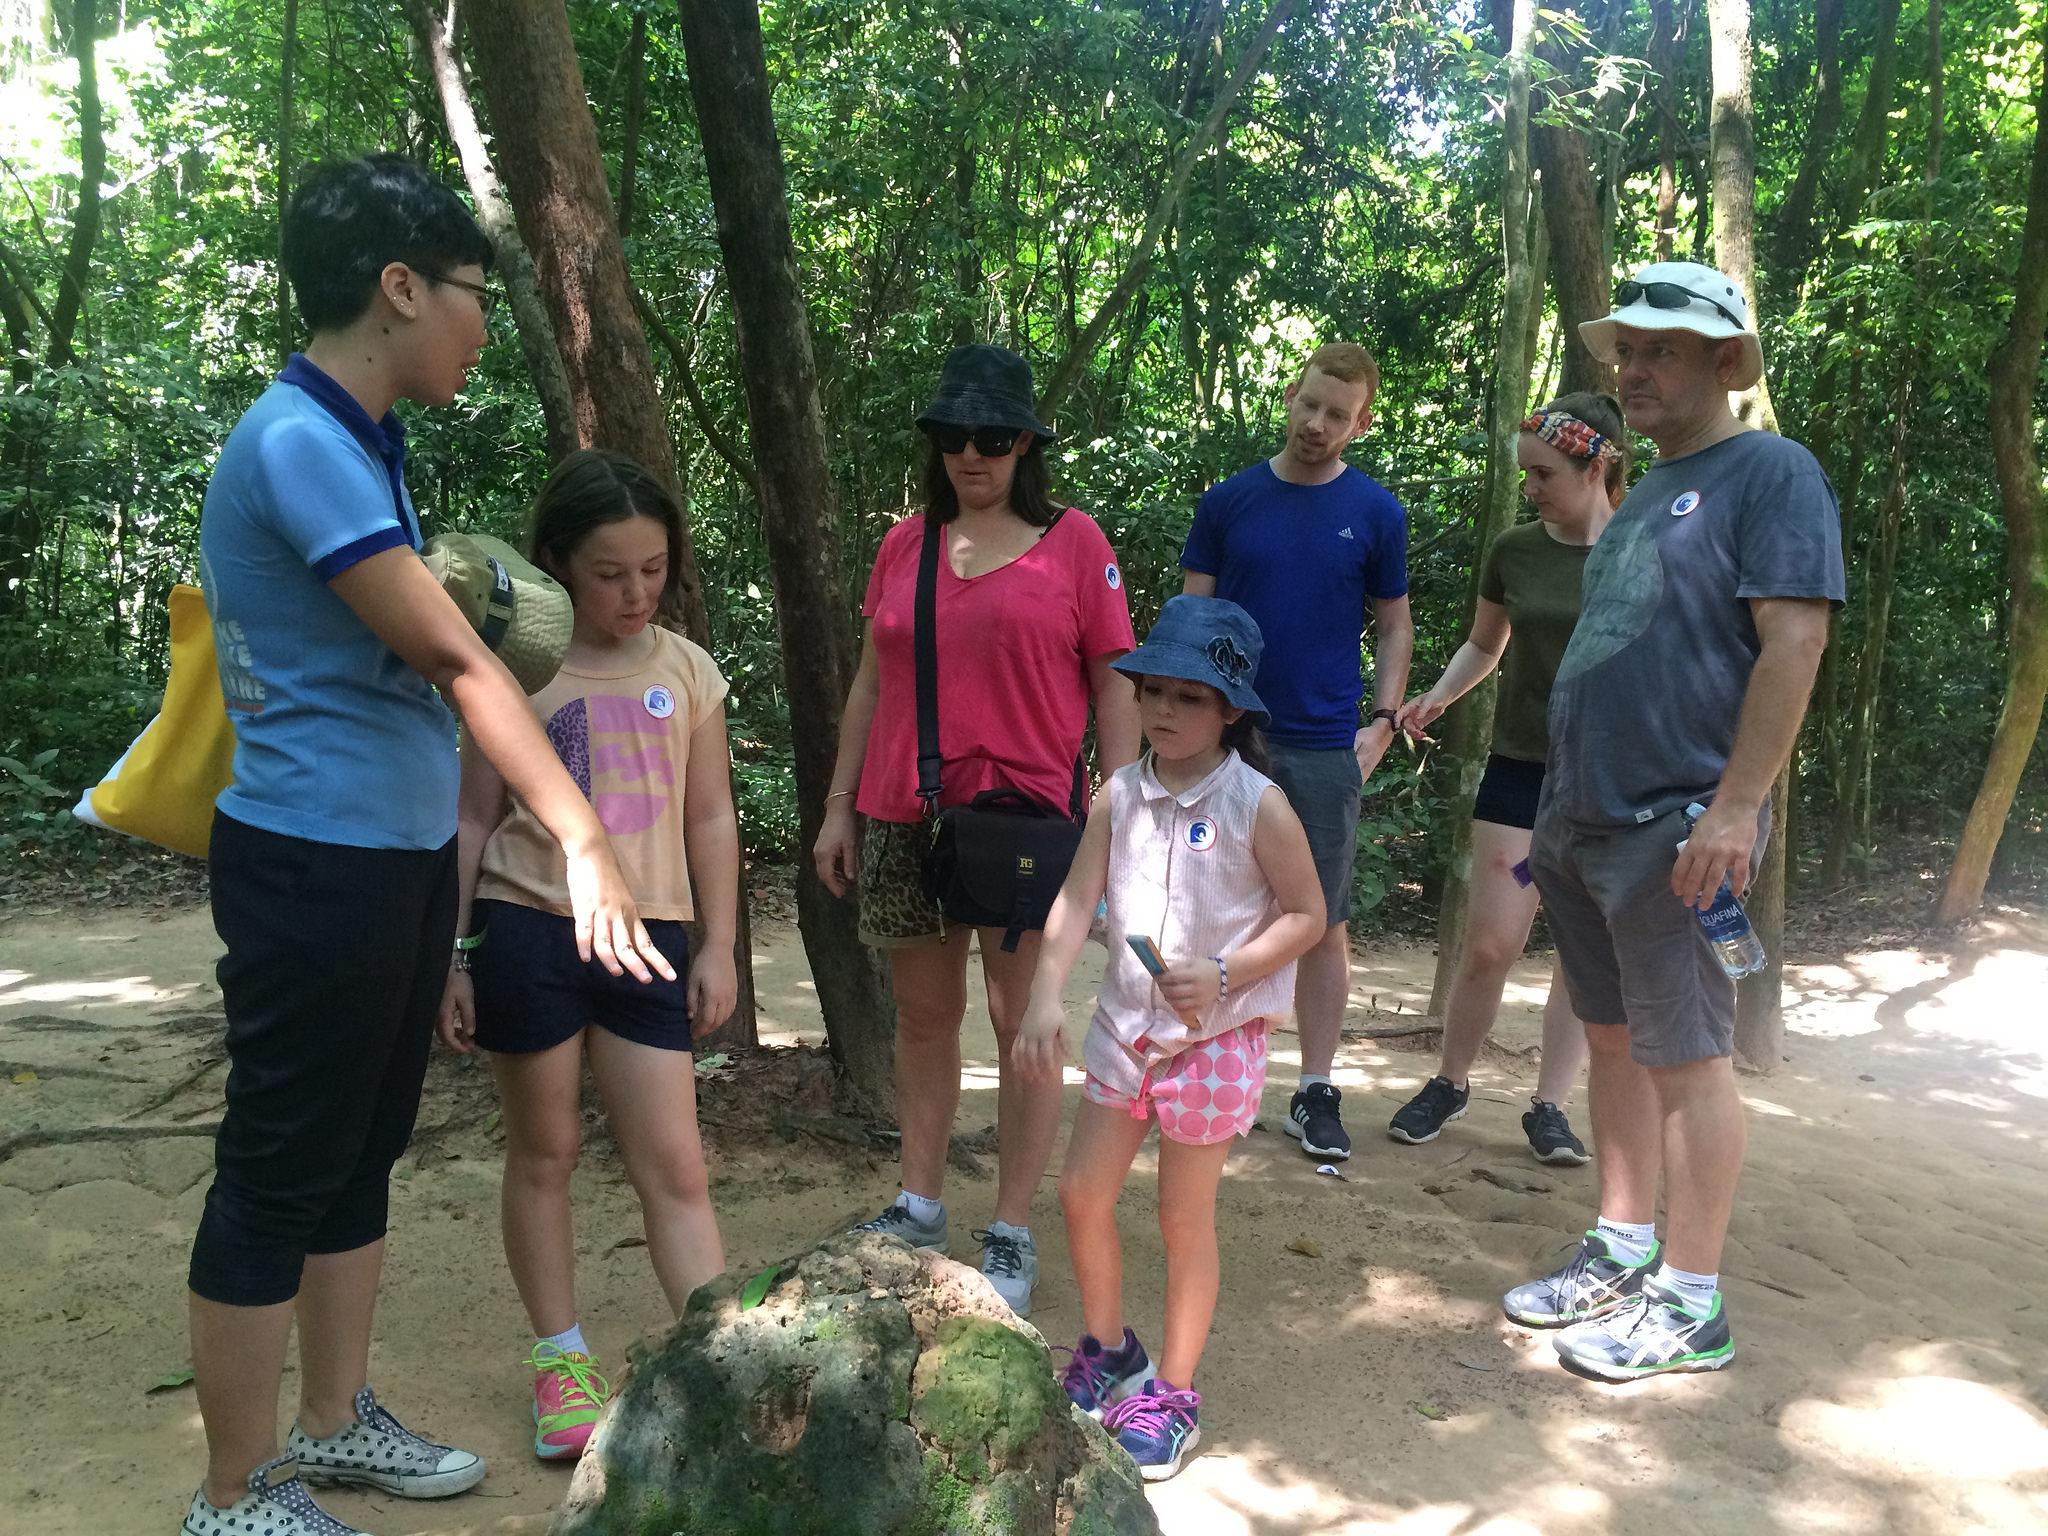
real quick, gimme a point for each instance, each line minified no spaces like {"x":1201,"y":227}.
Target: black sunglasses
{"x":1670,"y":296}
{"x":989,"y":442}
{"x":486,"y":298}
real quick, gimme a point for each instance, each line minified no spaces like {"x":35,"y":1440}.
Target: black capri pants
{"x":336,"y":961}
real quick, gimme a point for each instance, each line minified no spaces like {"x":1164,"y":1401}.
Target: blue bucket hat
{"x":1204,"y":640}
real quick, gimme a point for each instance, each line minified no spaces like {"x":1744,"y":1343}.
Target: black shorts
{"x":1508,"y":794}
{"x":336,"y":961}
{"x":533,"y":991}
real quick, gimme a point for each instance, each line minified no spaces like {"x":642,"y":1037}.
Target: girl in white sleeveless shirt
{"x":1200,"y":854}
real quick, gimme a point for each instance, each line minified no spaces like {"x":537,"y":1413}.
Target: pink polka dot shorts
{"x":1208,"y":1093}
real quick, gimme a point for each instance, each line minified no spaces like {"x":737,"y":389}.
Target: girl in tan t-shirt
{"x":637,"y":715}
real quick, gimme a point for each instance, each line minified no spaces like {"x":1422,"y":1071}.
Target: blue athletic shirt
{"x":1304,"y":561}
{"x":336,"y":739}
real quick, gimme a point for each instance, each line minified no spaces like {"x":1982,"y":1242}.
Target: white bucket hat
{"x":1681,"y":296}
{"x":522,"y":612}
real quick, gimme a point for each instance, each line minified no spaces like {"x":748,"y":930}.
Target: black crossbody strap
{"x":924,"y":645}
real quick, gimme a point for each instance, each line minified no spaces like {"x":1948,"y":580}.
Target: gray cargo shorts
{"x":1323,"y":786}
{"x":1631,"y":951}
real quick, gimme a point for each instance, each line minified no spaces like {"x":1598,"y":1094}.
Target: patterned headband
{"x":1569,"y":435}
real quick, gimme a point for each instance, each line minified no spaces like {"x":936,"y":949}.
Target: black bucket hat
{"x":985,"y":386}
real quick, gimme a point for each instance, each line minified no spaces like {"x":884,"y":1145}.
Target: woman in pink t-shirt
{"x":1030,"y":614}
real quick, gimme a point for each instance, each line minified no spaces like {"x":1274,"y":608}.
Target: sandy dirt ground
{"x":1887,"y":1276}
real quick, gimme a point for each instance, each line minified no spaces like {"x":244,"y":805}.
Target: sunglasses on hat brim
{"x":1670,"y":296}
{"x":989,"y":442}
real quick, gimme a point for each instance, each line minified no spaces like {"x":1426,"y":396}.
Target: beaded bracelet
{"x":1222,"y":978}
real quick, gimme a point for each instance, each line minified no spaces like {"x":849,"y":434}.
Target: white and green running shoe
{"x":1593,"y":1284}
{"x":1654,"y":1333}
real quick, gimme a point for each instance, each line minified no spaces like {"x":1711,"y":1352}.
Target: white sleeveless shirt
{"x":1180,"y":871}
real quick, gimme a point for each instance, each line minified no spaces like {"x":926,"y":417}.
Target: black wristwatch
{"x":1383,"y":714}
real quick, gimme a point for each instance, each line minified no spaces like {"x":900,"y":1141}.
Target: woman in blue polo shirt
{"x":333,"y":852}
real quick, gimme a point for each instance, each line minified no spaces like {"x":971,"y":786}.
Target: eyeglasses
{"x":486,"y":298}
{"x":1671,"y":296}
{"x":989,"y":442}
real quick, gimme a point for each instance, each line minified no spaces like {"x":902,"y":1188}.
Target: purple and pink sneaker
{"x":1096,"y":1377}
{"x":1157,"y":1426}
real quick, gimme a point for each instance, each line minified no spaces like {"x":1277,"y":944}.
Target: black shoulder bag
{"x":999,"y":861}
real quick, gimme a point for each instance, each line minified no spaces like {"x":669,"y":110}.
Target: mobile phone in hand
{"x":1147,"y":953}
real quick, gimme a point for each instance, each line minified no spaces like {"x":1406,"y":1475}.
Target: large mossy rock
{"x":874,"y":1390}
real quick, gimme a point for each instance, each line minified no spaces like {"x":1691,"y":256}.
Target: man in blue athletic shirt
{"x":1308,"y":545}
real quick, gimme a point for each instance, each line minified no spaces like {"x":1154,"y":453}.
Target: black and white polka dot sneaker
{"x":270,"y":1508}
{"x":379,"y":1452}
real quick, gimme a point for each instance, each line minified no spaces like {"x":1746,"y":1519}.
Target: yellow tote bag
{"x":163,"y":788}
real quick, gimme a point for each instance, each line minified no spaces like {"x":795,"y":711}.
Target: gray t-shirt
{"x":1644,"y":709}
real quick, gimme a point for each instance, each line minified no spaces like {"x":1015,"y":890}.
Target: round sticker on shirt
{"x":659,"y":701}
{"x":1686,"y":503}
{"x":1201,"y":834}
{"x":1113,"y":576}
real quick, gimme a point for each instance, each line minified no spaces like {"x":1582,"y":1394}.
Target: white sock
{"x":922,"y":1207}
{"x":1310,"y":1079}
{"x":1698,"y":1290}
{"x":570,"y":1342}
{"x":1009,"y":1229}
{"x":1628,"y":1241}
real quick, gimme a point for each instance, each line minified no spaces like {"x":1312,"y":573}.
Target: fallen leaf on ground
{"x":24,"y":1077}
{"x":1431,"y":1411}
{"x":167,"y":1383}
{"x":1474,"y":1365}
{"x":757,"y":1288}
{"x":1306,"y":1246}
{"x":630,"y":1240}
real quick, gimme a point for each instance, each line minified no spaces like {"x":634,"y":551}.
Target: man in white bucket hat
{"x":1704,"y":617}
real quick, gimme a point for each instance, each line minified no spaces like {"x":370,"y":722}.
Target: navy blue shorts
{"x":1509,"y":792}
{"x":533,"y":991}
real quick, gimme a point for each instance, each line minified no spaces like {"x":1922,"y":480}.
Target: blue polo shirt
{"x":1304,"y":561}
{"x":336,"y":739}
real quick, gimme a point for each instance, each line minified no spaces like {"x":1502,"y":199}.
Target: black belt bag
{"x":999,"y":861}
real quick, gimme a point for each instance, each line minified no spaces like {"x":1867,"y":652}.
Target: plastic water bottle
{"x":1734,"y":942}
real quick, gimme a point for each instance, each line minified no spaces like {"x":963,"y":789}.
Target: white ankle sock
{"x":923,"y":1207}
{"x":1698,"y":1290}
{"x":1310,"y":1079}
{"x":1628,"y":1241}
{"x":570,"y":1342}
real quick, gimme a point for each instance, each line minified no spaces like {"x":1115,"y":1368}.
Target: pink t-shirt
{"x":1013,"y":677}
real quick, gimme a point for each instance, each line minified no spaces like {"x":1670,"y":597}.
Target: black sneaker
{"x":1592,"y":1285}
{"x":1440,"y":1102}
{"x":1313,"y":1120}
{"x":1550,"y":1135}
{"x":1655,"y":1333}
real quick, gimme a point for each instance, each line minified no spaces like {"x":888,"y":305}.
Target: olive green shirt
{"x":1536,"y":579}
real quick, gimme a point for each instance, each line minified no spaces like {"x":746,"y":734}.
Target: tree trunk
{"x":288,"y":63}
{"x":1732,"y":141}
{"x":636,"y":112}
{"x":92,"y":170}
{"x":2014,"y":373}
{"x":1664,"y":62}
{"x":547,"y":146}
{"x":1795,"y":214}
{"x":1075,"y":363}
{"x":743,"y":164}
{"x":1578,"y":264}
{"x":436,"y":25}
{"x":1472,"y":725}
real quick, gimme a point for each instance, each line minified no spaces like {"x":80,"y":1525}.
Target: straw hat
{"x":522,"y":612}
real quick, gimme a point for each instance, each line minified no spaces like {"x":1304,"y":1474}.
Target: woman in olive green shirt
{"x":1572,"y":473}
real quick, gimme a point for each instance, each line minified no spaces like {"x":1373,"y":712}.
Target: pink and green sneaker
{"x":568,"y":1396}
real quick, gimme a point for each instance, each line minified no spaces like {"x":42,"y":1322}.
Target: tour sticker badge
{"x":1688,"y":502}
{"x":1112,"y":575}
{"x":659,"y":701}
{"x":1201,"y":834}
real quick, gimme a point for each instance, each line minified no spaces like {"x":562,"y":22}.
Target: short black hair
{"x":350,"y":219}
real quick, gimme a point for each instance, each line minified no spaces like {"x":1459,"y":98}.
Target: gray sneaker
{"x":281,"y":1508}
{"x":1009,"y":1257}
{"x":1592,"y":1285}
{"x":897,"y":1221}
{"x":379,"y":1452}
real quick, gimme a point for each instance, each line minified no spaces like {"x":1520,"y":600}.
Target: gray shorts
{"x":1631,"y":951}
{"x":1323,"y":786}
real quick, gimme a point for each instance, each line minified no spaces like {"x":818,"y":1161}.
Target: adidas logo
{"x":1343,"y":533}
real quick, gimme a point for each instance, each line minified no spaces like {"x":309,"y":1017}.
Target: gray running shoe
{"x":1550,"y":1135}
{"x":1655,"y":1332}
{"x":379,"y":1452}
{"x":1009,"y":1257}
{"x":281,"y":1508}
{"x":1593,"y":1284}
{"x":897,"y":1221}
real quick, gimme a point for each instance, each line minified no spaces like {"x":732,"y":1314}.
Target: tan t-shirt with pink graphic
{"x":625,"y":739}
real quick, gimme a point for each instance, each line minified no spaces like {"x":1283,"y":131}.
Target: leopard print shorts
{"x":894,"y":909}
